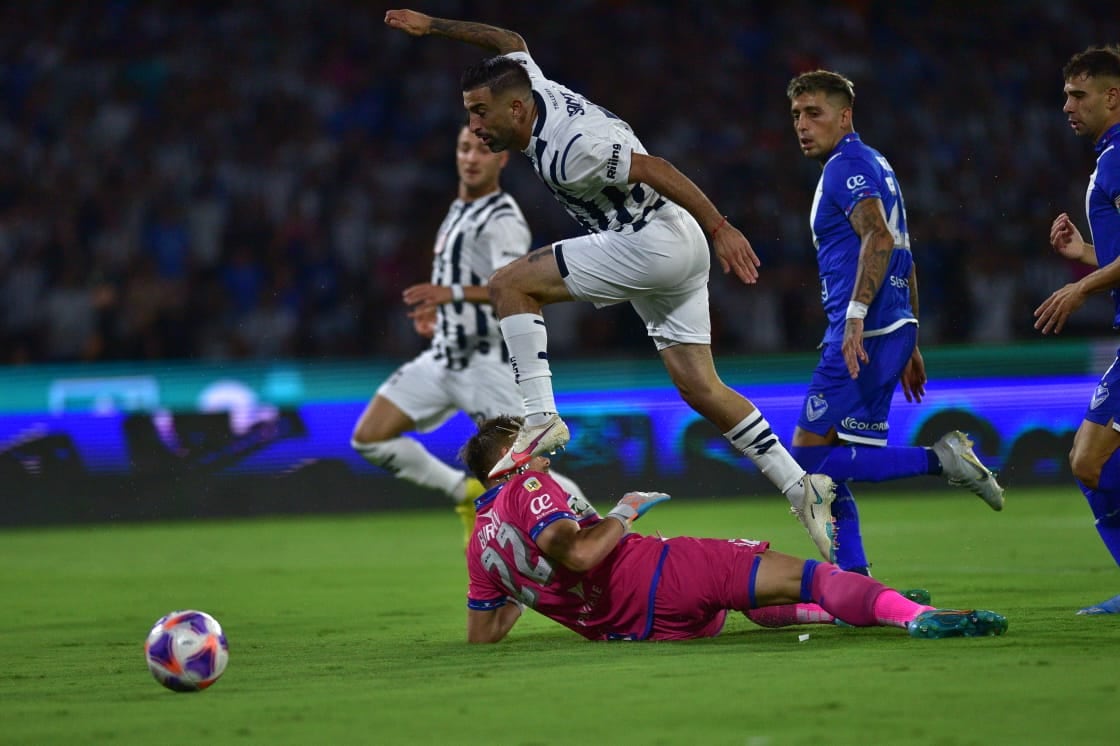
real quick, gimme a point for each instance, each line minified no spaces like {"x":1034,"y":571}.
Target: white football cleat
{"x":532,"y":440}
{"x":963,"y":468}
{"x":815,"y":513}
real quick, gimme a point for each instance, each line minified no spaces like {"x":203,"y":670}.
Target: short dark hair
{"x":484,"y":448}
{"x":499,"y":74}
{"x":1095,"y":62}
{"x":824,"y":81}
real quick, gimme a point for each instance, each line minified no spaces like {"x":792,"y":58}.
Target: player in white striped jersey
{"x":645,"y":246}
{"x":466,"y":367}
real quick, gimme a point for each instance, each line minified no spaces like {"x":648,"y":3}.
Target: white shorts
{"x":430,"y":393}
{"x":662,"y":270}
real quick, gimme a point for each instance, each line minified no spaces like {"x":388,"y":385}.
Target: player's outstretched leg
{"x":787,"y":615}
{"x":963,"y":468}
{"x":861,"y":601}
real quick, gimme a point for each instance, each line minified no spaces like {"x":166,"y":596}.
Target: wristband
{"x":720,"y":224}
{"x":622,"y":518}
{"x":856,"y":310}
{"x":457,"y":294}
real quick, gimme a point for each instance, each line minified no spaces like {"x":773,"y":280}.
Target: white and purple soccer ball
{"x":186,"y":650}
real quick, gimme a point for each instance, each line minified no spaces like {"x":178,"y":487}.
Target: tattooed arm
{"x":869,"y":221}
{"x":491,"y":38}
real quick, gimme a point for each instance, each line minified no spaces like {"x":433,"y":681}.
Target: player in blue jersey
{"x":644,"y":246}
{"x":869,"y":292}
{"x":1092,"y":88}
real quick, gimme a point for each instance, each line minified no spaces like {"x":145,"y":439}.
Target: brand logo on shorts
{"x":852,"y":424}
{"x":1099,"y":396}
{"x":815,"y":407}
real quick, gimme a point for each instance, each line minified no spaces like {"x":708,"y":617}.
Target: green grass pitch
{"x":350,"y":630}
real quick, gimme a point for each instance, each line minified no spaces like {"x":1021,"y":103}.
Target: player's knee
{"x":698,"y":388}
{"x":696,"y":392}
{"x":365,"y":433}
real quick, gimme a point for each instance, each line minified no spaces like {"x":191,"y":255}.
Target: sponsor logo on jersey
{"x":532,"y":484}
{"x":541,"y":504}
{"x":851,"y":423}
{"x":574,"y":104}
{"x":856,"y":182}
{"x":815,"y":407}
{"x":1099,"y":396}
{"x":612,"y":162}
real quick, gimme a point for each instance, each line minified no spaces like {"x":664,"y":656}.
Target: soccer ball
{"x":186,"y":650}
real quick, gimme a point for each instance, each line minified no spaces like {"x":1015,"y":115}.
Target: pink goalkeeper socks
{"x":892,"y":609}
{"x":845,"y":595}
{"x":783,"y":616}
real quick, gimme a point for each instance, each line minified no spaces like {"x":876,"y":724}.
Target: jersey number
{"x":511,"y":539}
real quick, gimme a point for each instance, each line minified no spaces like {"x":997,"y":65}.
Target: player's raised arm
{"x":731,"y":247}
{"x":491,"y":38}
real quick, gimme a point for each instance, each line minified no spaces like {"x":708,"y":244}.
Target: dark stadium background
{"x":240,"y":183}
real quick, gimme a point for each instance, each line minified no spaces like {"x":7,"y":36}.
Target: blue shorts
{"x":857,"y":409}
{"x":1104,"y":407}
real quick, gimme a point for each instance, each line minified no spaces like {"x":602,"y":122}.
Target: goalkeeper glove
{"x":635,"y":504}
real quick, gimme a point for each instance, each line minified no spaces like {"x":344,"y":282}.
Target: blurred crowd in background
{"x":204,"y":179}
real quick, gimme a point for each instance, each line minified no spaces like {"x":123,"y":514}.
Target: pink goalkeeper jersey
{"x":613,"y":600}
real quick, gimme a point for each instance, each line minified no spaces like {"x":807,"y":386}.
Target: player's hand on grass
{"x":409,"y":21}
{"x":634,"y":505}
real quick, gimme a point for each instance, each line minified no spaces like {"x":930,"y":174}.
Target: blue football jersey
{"x":856,"y":172}
{"x":1102,"y":206}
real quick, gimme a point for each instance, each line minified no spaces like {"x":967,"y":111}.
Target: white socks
{"x":753,"y":438}
{"x":527,"y":340}
{"x":407,"y":459}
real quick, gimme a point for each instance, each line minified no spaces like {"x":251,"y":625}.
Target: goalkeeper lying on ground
{"x":533,"y":546}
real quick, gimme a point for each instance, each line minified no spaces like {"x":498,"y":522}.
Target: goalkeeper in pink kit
{"x":535,"y":546}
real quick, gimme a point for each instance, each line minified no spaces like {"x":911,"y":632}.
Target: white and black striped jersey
{"x":582,"y":153}
{"x":474,"y":240}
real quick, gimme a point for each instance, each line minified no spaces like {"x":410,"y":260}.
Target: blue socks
{"x":1104,"y":501}
{"x":1106,"y":511}
{"x":862,"y":464}
{"x":849,"y":550}
{"x":867,"y":463}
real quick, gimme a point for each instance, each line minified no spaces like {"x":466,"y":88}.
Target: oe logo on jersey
{"x":541,"y":504}
{"x":857,"y":181}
